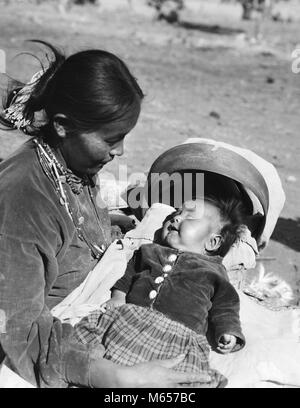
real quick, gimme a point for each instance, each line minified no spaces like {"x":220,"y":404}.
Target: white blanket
{"x":271,"y":357}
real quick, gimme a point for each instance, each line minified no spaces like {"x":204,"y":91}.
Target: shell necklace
{"x":59,"y":175}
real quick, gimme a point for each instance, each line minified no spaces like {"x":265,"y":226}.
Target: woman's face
{"x":87,"y":153}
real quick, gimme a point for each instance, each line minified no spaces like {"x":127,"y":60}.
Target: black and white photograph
{"x":149,"y":196}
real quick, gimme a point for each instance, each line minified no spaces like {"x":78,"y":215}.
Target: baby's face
{"x":189,"y":228}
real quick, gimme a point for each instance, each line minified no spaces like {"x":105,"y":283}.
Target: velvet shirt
{"x":190,"y":288}
{"x":42,"y":259}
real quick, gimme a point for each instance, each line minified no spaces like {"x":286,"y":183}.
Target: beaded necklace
{"x":59,"y":175}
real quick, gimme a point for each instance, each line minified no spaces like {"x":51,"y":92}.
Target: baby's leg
{"x":132,"y":334}
{"x":197,"y":361}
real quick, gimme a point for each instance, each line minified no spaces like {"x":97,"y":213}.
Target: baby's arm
{"x":224,"y":319}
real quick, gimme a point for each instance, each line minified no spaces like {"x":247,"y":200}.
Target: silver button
{"x":172,"y":258}
{"x":152,"y":294}
{"x":159,"y":279}
{"x":167,"y":268}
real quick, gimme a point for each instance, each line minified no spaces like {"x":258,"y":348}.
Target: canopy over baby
{"x":226,"y":170}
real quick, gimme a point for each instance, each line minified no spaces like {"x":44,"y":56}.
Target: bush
{"x":96,"y":2}
{"x":167,"y":9}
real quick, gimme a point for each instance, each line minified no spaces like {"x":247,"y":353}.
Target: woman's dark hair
{"x":233,"y":214}
{"x":91,"y":88}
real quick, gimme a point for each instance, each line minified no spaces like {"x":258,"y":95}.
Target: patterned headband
{"x":15,"y":112}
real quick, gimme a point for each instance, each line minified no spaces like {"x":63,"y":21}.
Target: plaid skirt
{"x":133,"y":334}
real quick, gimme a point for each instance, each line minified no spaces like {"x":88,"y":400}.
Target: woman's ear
{"x":59,"y":124}
{"x":213,"y":243}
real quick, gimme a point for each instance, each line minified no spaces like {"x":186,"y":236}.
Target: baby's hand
{"x":112,"y":303}
{"x":118,"y":298}
{"x":226,"y":343}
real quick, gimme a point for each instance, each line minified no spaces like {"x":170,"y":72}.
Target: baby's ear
{"x":213,"y":243}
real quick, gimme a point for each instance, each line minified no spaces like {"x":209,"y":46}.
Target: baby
{"x":174,"y":292}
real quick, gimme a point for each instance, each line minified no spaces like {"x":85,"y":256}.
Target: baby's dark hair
{"x":91,"y":88}
{"x":233,"y":213}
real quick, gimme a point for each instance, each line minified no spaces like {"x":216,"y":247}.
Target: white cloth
{"x":243,"y":252}
{"x":95,"y":289}
{"x":9,"y":379}
{"x":271,"y":357}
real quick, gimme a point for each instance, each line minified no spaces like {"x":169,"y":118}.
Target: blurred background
{"x":211,"y":68}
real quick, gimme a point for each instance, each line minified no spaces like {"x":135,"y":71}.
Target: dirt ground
{"x":209,"y":77}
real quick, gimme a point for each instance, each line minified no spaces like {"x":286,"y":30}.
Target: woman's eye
{"x":113,"y":142}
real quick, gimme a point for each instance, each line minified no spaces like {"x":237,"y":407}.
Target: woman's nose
{"x":118,"y":150}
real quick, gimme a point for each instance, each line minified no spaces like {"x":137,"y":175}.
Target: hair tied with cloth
{"x":15,"y":112}
{"x":244,"y":235}
{"x":242,"y":254}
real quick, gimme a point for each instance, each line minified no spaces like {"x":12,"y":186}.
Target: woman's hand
{"x":226,"y":343}
{"x":159,"y":374}
{"x":124,"y":222}
{"x":154,"y":374}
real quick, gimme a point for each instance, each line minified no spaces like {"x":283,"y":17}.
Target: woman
{"x":51,"y":231}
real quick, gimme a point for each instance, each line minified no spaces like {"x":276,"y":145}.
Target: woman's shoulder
{"x":22,"y":177}
{"x":19,"y":165}
{"x":27,"y":197}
